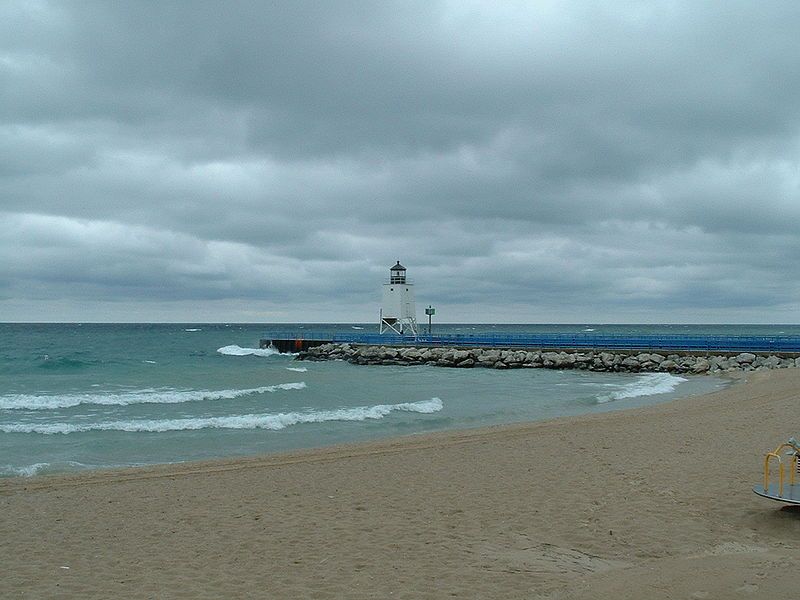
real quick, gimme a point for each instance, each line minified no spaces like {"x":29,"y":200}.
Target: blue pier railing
{"x":558,"y":340}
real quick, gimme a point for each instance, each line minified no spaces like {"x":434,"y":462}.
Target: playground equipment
{"x":781,"y":490}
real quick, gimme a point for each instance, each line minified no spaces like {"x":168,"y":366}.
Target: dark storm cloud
{"x":533,"y":161}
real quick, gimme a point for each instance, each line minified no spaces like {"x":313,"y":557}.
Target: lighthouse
{"x":398,"y":310}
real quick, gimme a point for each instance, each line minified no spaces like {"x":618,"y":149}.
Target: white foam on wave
{"x":37,"y":468}
{"x":645,"y":385}
{"x":297,"y":369}
{"x":25,"y":471}
{"x":234,"y":350}
{"x":252,"y":421}
{"x":193,"y":329}
{"x":148,"y":396}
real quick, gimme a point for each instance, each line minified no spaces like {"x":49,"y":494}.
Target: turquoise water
{"x":91,"y":396}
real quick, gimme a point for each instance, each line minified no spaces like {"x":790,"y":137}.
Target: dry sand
{"x":648,"y":503}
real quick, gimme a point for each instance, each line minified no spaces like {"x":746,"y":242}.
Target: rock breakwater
{"x":495,"y":358}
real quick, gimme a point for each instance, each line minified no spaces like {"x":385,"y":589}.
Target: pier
{"x":298,"y":341}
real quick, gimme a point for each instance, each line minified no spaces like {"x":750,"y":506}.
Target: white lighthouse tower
{"x":398,"y":310}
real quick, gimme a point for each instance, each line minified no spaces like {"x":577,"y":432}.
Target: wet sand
{"x":647,"y":503}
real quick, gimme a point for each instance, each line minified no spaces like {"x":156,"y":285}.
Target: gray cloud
{"x":244,"y":161}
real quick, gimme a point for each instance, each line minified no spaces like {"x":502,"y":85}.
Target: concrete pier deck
{"x":297,"y":341}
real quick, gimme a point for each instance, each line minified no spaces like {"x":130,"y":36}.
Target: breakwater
{"x":297,"y":341}
{"x":633,"y":362}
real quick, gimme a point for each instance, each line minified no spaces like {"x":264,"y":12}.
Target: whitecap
{"x":297,"y":369}
{"x":234,"y":350}
{"x":645,"y":385}
{"x":273,"y":422}
{"x":146,"y":396}
{"x":193,"y":329}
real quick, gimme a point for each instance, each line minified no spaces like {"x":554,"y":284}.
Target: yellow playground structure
{"x":781,"y":490}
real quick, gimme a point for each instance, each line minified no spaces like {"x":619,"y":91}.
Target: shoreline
{"x":724,"y":379}
{"x":387,"y":445}
{"x":651,"y":502}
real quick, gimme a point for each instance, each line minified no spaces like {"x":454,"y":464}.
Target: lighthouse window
{"x":406,"y":289}
{"x":391,"y":289}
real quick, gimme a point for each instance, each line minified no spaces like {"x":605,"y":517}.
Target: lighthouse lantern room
{"x":398,"y":310}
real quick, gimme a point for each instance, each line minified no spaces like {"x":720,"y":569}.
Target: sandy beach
{"x":646,"y":503}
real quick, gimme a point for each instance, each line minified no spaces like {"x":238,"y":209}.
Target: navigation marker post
{"x":430,"y":311}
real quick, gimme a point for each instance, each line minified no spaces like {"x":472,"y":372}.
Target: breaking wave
{"x":32,"y":402}
{"x":253,"y":421}
{"x":297,"y":369}
{"x":40,"y":468}
{"x":234,"y":350}
{"x":646,"y":385}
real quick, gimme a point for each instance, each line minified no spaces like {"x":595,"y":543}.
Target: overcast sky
{"x":573,"y":162}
